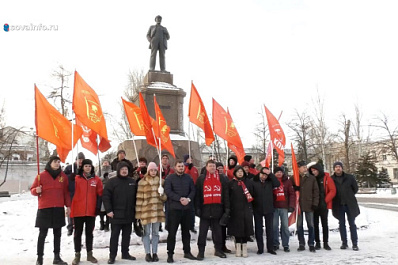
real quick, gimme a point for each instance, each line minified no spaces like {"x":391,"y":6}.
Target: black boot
{"x":111,"y":260}
{"x":326,"y":246}
{"x":170,"y":258}
{"x":226,"y":250}
{"x":201,"y":255}
{"x":102,"y":225}
{"x":317,"y":245}
{"x":58,"y":260}
{"x":148,"y":258}
{"x":39,"y":260}
{"x":155,"y":257}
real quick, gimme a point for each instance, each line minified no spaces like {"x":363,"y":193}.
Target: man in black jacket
{"x":180,"y":192}
{"x":345,"y":203}
{"x":119,"y":200}
{"x":211,"y":203}
{"x":121,"y":156}
{"x":263,"y":208}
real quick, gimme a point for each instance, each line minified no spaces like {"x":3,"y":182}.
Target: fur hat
{"x":152,"y":165}
{"x":337,"y":163}
{"x":86,"y":162}
{"x":247,"y":158}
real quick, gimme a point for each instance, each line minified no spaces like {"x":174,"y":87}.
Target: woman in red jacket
{"x":51,"y":187}
{"x":85,"y":204}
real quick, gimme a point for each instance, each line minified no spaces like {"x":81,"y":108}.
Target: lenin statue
{"x":157,"y":36}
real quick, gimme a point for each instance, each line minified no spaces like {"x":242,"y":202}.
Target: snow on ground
{"x":378,"y":233}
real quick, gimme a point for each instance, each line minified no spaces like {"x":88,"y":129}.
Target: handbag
{"x":138,"y":228}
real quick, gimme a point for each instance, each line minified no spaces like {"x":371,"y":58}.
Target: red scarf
{"x":279,"y":192}
{"x":212,"y":188}
{"x":245,"y":190}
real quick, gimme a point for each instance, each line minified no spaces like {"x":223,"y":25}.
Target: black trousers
{"x":126,"y":233}
{"x":321,"y":213}
{"x":258,"y":224}
{"x":224,"y":235}
{"x":42,"y":237}
{"x":77,"y":238}
{"x":177,"y":217}
{"x":215,"y":230}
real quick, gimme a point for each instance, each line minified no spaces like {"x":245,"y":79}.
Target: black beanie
{"x":278,"y":169}
{"x":120,"y":151}
{"x":87,"y":162}
{"x":338,"y":163}
{"x":52,"y":158}
{"x":247,"y":158}
{"x":219,"y":164}
{"x":301,"y":163}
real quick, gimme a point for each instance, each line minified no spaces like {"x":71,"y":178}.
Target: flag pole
{"x":226,"y":159}
{"x":73,"y":168}
{"x":189,"y":139}
{"x":99,"y":161}
{"x":135,"y":150}
{"x":272,"y":157}
{"x":37,"y":154}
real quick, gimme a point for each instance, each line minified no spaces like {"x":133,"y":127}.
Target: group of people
{"x":238,"y":201}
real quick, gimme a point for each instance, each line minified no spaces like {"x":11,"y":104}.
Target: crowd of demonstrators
{"x":327,"y":191}
{"x":212,"y":207}
{"x":71,"y":174}
{"x":103,"y":173}
{"x":284,"y":203}
{"x":149,"y":210}
{"x":147,"y":196}
{"x":263,"y":208}
{"x":51,"y":188}
{"x":85,"y":205}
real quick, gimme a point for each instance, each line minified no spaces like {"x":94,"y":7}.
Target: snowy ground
{"x":378,"y":234}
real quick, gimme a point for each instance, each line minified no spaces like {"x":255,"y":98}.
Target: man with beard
{"x":180,"y":191}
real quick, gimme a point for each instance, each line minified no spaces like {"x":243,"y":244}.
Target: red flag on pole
{"x":277,"y":135}
{"x":88,"y":139}
{"x":134,"y":117}
{"x":146,"y":119}
{"x":197,"y":114}
{"x":163,"y":131}
{"x":53,"y":127}
{"x":224,"y":127}
{"x":88,"y":111}
{"x":296,"y":177}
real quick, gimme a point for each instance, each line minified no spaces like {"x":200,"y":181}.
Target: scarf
{"x":245,"y":190}
{"x":212,"y":188}
{"x":279,"y":192}
{"x":54,"y":173}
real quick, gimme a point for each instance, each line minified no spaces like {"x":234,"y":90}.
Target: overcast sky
{"x":242,"y":53}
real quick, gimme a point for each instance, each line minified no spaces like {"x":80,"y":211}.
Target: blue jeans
{"x":154,"y":227}
{"x":284,"y":232}
{"x":351,"y":221}
{"x":309,"y":218}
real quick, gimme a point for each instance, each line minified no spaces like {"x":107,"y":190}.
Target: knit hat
{"x":279,"y":169}
{"x":301,"y":163}
{"x":245,"y":164}
{"x":52,"y":158}
{"x":80,"y":155}
{"x":247,"y":158}
{"x":121,"y":151}
{"x":152,"y":165}
{"x":185,"y":157}
{"x":120,"y":165}
{"x":337,"y":163}
{"x":219,"y":164}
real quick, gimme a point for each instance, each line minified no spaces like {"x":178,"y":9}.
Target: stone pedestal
{"x":171,"y":100}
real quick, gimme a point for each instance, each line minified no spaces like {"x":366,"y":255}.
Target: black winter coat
{"x":176,"y":187}
{"x":263,"y":195}
{"x":116,"y":161}
{"x":120,"y":197}
{"x":348,"y":188}
{"x":241,"y":217}
{"x":210,"y":211}
{"x":71,"y":178}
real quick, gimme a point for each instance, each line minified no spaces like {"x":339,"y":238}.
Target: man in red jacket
{"x":51,"y":188}
{"x":327,"y":191}
{"x":85,"y":205}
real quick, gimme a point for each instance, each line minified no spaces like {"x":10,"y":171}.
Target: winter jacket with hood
{"x":290,"y":195}
{"x":231,"y":168}
{"x":327,"y":189}
{"x":87,"y":192}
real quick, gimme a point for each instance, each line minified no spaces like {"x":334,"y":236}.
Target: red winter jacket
{"x":54,"y":192}
{"x":330,"y":189}
{"x":290,"y":195}
{"x":193,"y":172}
{"x":85,"y":200}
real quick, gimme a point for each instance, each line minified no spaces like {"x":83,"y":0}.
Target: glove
{"x":314,"y":207}
{"x":163,"y":175}
{"x":144,"y":170}
{"x":106,"y":175}
{"x":224,"y":219}
{"x":290,"y":210}
{"x":198,"y":212}
{"x":97,"y":211}
{"x":296,"y":188}
{"x":135,"y":169}
{"x":190,"y":166}
{"x":138,"y":229}
{"x":160,"y":190}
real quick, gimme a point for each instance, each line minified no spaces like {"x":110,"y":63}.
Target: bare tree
{"x":261,"y":133}
{"x":136,"y":80}
{"x":301,"y":125}
{"x":391,"y":143}
{"x":60,"y":93}
{"x":346,"y":137}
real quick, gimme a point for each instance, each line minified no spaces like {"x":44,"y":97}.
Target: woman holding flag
{"x":51,"y":187}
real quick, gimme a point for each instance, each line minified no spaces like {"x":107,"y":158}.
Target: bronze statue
{"x":157,"y":36}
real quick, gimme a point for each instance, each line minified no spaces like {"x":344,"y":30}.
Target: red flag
{"x":292,"y":216}
{"x":87,"y":108}
{"x":163,"y":131}
{"x":134,"y":117}
{"x":224,"y":127}
{"x":53,"y":127}
{"x":197,"y":115}
{"x":88,"y":139}
{"x":296,"y":173}
{"x":269,"y":155}
{"x":277,"y":135}
{"x":147,"y":123}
